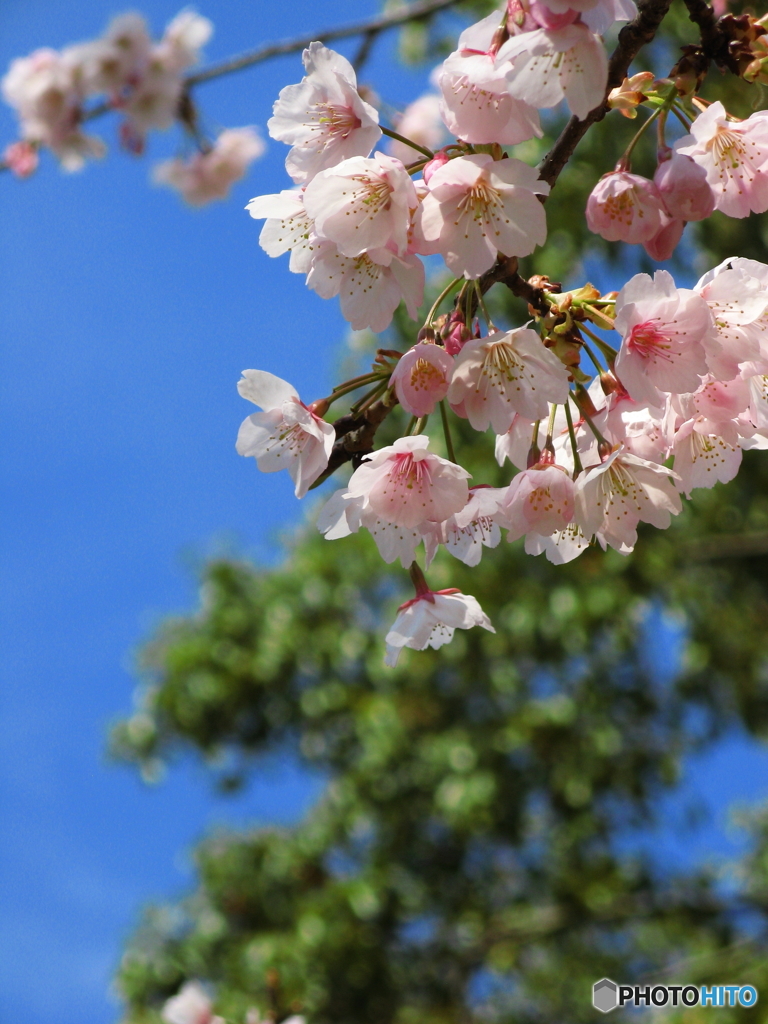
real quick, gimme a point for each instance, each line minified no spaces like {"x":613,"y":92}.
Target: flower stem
{"x":607,"y":350}
{"x":368,"y":399}
{"x":443,"y":295}
{"x":344,"y":389}
{"x":590,"y":423}
{"x":447,"y":433}
{"x":481,"y":302}
{"x":577,"y":466}
{"x":408,"y":142}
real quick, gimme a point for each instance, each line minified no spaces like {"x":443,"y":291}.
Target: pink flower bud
{"x":624,"y":207}
{"x":548,"y":19}
{"x":422,"y":377}
{"x":683,"y":186}
{"x":433,"y":165}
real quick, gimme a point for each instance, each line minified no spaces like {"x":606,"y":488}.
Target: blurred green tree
{"x":469,"y":859}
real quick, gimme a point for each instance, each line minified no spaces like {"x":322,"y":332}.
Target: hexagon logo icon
{"x":605,"y":995}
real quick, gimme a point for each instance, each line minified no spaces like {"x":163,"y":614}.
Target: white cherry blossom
{"x":613,"y":497}
{"x":559,"y":547}
{"x":210,"y":175}
{"x":506,"y":373}
{"x":323,"y":118}
{"x":287,"y":228}
{"x":370,"y":286}
{"x":477,"y":207}
{"x":286,"y":435}
{"x":476,"y":526}
{"x":344,"y":514}
{"x":430,"y":620}
{"x":362,"y":204}
{"x":548,"y":65}
{"x":735,"y":156}
{"x":539,"y":500}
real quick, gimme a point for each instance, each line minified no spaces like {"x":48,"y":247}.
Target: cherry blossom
{"x":287,"y":228}
{"x":734,"y":155}
{"x":662,"y":329}
{"x":344,"y":514}
{"x":476,"y":526}
{"x":559,"y":547}
{"x":406,"y":484}
{"x":477,"y":207}
{"x":612,"y":498}
{"x":191,"y":1006}
{"x":666,"y":239}
{"x":287,"y":434}
{"x":506,"y":373}
{"x":430,"y":620}
{"x":683,"y":186}
{"x":706,"y":452}
{"x":119,"y":57}
{"x":323,"y":118}
{"x":362,"y":204}
{"x":539,"y":500}
{"x":370,"y":286}
{"x":476,"y":105}
{"x":515,"y":443}
{"x":420,"y":122}
{"x":422,"y":377}
{"x":22,"y":158}
{"x":624,"y":207}
{"x":735,"y":291}
{"x":210,"y":175}
{"x":548,"y":65}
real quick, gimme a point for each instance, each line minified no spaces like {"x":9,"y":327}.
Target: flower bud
{"x":684,"y":188}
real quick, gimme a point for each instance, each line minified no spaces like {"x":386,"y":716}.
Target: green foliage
{"x":470,"y":858}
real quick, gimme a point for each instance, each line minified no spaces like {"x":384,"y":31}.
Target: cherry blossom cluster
{"x":141,"y":79}
{"x":667,"y":407}
{"x":193,"y":1005}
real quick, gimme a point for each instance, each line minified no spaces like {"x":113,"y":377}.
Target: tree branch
{"x":421,"y":9}
{"x":635,"y":35}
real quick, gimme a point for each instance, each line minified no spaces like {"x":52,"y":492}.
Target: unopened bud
{"x":584,"y":402}
{"x":433,"y":165}
{"x":319,"y":407}
{"x":630,"y":93}
{"x":426,"y":334}
{"x":604,"y":449}
{"x":608,"y":383}
{"x":534,"y":454}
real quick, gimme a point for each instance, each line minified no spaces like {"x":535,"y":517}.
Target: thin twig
{"x":422,"y":9}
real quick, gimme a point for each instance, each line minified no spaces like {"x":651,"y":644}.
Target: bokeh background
{"x":126,"y":320}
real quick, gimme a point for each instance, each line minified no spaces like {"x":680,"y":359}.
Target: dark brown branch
{"x":415,"y":11}
{"x":355,"y":434}
{"x":635,"y":35}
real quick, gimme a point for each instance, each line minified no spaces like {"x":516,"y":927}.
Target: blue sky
{"x":126,"y":319}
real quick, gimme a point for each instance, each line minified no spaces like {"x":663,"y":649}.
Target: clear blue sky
{"x":126,"y":319}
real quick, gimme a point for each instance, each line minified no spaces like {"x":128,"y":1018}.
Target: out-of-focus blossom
{"x":420,"y":122}
{"x":323,"y":118}
{"x":191,"y":1006}
{"x":208,"y":176}
{"x":287,"y":434}
{"x":21,"y":158}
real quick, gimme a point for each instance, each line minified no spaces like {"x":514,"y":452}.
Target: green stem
{"x":681,"y":116}
{"x":577,"y":466}
{"x":550,"y":426}
{"x":591,"y":355}
{"x":638,"y":135}
{"x":607,"y":350}
{"x":409,"y":429}
{"x":588,"y":420}
{"x":345,"y":389}
{"x":421,"y":422}
{"x":443,"y":295}
{"x":481,"y":303}
{"x":364,"y":378}
{"x":368,"y":399}
{"x":447,"y":433}
{"x":408,"y":142}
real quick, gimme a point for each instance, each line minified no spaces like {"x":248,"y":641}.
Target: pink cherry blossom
{"x":323,"y":118}
{"x":539,"y":500}
{"x":612,"y":498}
{"x":477,"y":207}
{"x":506,"y":373}
{"x":363,"y":204}
{"x":286,"y":435}
{"x":605,"y":12}
{"x":683,"y":186}
{"x":420,"y":122}
{"x":287,"y":228}
{"x":370,"y":286}
{"x":515,"y":443}
{"x":344,"y":514}
{"x":705,"y":453}
{"x":734,"y":155}
{"x":735,"y":291}
{"x":430,"y":620}
{"x":662,"y":330}
{"x":208,"y":176}
{"x":549,"y":65}
{"x":422,"y":377}
{"x":476,"y":526}
{"x":476,"y":104}
{"x":624,"y":207}
{"x":559,"y":547}
{"x":118,"y":59}
{"x":406,"y":484}
{"x":666,"y":239}
{"x":191,"y":1006}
